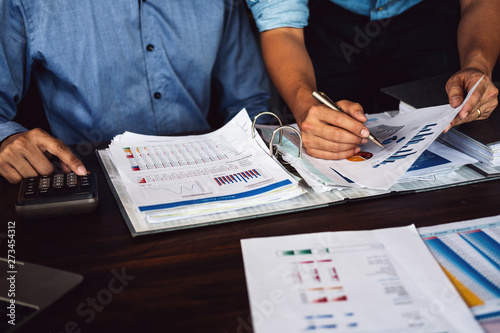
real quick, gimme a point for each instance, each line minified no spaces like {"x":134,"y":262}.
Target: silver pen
{"x":323,"y":98}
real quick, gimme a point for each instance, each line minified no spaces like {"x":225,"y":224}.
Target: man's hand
{"x":330,"y":134}
{"x":25,"y":154}
{"x":484,"y":98}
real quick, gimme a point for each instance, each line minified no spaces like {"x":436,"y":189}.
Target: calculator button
{"x":71,"y":181}
{"x":44,"y":179}
{"x":43,"y":192}
{"x":29,"y":194}
{"x":52,"y":195}
{"x":44,"y":183}
{"x":84,"y":185}
{"x":58,"y":179}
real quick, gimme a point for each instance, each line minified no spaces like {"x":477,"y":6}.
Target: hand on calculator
{"x":57,"y":194}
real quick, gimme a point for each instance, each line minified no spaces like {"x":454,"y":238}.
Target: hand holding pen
{"x":329,"y":134}
{"x":323,"y":98}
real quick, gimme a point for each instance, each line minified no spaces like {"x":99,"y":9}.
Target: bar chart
{"x":469,"y":254}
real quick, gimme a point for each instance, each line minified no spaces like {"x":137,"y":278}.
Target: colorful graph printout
{"x":175,"y":155}
{"x":428,"y":159}
{"x":243,"y":176}
{"x":361,"y":156}
{"x":352,"y":281}
{"x":469,"y":253}
{"x":172,"y":178}
{"x":405,"y":137}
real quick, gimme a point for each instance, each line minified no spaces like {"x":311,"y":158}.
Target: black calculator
{"x":57,"y":194}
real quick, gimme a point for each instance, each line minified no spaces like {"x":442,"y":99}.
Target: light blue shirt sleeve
{"x":14,"y":67}
{"x":104,"y":67}
{"x":272,"y":14}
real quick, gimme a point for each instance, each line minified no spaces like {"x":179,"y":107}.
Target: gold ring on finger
{"x":478,"y":113}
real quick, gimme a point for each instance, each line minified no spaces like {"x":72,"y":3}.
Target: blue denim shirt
{"x":272,"y":14}
{"x":107,"y":66}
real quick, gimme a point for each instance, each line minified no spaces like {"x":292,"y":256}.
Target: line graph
{"x":173,"y":190}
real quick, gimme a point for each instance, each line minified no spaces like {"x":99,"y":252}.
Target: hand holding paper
{"x":482,"y":101}
{"x":405,"y":137}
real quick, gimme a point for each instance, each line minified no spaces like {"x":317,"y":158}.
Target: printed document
{"x":405,"y":137}
{"x":469,"y":253}
{"x":168,"y":178}
{"x":382,"y":280}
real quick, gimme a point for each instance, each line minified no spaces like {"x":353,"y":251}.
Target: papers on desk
{"x":437,"y":159}
{"x":155,"y":196}
{"x":405,"y":137}
{"x":168,"y":178}
{"x":437,"y":163}
{"x":352,"y":281}
{"x":480,"y":139}
{"x":469,"y":253}
{"x":488,"y":154}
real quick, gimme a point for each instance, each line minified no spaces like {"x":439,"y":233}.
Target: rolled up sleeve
{"x":272,"y":14}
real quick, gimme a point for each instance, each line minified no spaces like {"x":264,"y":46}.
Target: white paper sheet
{"x":437,"y":159}
{"x":353,"y":281}
{"x":139,"y":226}
{"x":470,"y":253}
{"x":173,"y":177}
{"x":405,"y":137}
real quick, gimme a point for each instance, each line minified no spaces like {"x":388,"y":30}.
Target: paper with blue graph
{"x":168,"y":178}
{"x":469,"y":253}
{"x":405,"y":137}
{"x":374,"y":281}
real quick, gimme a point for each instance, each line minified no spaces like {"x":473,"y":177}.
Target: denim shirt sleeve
{"x":245,"y":83}
{"x":173,"y":57}
{"x":272,"y":14}
{"x":15,"y":68}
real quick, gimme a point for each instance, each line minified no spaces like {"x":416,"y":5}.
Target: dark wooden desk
{"x":192,"y":280}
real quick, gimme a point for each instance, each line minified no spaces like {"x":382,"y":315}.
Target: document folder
{"x":308,"y":200}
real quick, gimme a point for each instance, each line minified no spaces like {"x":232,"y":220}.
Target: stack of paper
{"x":486,"y":152}
{"x":437,"y":161}
{"x":405,"y":137}
{"x":480,"y":139}
{"x":169,"y":178}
